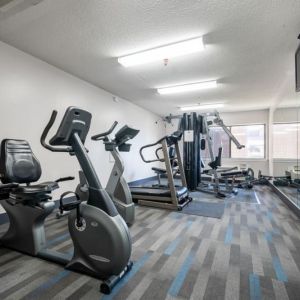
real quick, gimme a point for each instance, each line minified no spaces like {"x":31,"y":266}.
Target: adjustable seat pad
{"x":159,"y":170}
{"x":44,"y":187}
{"x":149,"y":191}
{"x":235,"y":173}
{"x":18,"y":164}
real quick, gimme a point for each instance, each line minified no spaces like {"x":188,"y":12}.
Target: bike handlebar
{"x":45,"y":133}
{"x":100,"y":136}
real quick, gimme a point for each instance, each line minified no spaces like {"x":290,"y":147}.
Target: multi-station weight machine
{"x":197,"y":136}
{"x":216,"y":172}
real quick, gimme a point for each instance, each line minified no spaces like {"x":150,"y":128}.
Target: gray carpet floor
{"x":253,"y":252}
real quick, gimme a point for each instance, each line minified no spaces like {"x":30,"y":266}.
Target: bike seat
{"x":44,"y":187}
{"x":159,"y":170}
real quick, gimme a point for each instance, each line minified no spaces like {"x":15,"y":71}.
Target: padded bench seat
{"x":235,"y":173}
{"x":158,"y":192}
{"x":44,"y":187}
{"x":159,"y":170}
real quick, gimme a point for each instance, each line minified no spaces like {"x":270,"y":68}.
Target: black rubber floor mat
{"x":205,"y":209}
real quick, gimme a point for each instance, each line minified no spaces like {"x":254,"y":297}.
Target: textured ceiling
{"x":250,"y":47}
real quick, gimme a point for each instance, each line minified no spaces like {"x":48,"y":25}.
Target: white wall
{"x":30,"y":89}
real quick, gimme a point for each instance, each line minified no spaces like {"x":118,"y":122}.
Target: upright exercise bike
{"x":116,"y":187}
{"x":102,"y":243}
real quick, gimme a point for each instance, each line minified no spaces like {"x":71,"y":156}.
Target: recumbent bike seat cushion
{"x":18,"y":164}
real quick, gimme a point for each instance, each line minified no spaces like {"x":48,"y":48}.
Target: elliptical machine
{"x":116,"y":187}
{"x":102,"y":243}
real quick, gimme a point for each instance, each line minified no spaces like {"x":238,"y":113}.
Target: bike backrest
{"x":18,"y":163}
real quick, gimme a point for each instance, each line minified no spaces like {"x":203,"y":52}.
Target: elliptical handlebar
{"x":102,"y":135}
{"x":45,"y":133}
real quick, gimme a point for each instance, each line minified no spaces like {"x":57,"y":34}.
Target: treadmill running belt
{"x":148,"y":191}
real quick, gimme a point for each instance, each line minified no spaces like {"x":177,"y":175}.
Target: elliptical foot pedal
{"x":107,"y":285}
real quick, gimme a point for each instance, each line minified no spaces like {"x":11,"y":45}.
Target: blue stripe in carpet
{"x":188,"y":224}
{"x":268,"y":236}
{"x":175,"y":215}
{"x":181,"y":275}
{"x":172,"y":247}
{"x":269,"y":215}
{"x":255,"y":293}
{"x":281,"y":276}
{"x":135,"y":268}
{"x":71,"y":251}
{"x":58,"y":239}
{"x":38,"y":292}
{"x":228,"y":236}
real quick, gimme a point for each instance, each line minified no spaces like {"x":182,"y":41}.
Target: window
{"x":219,"y":139}
{"x":286,"y":142}
{"x":253,"y":137}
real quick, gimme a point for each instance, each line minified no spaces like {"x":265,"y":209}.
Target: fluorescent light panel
{"x":187,"y":87}
{"x":164,"y":52}
{"x":202,"y":107}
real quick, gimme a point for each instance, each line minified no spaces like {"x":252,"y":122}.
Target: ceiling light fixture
{"x":187,"y":87}
{"x":162,"y":53}
{"x":201,"y":106}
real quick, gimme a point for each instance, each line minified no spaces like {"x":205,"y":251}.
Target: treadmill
{"x":169,"y":197}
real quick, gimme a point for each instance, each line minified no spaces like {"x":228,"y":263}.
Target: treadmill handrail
{"x":100,"y":136}
{"x":45,"y":133}
{"x":148,"y":146}
{"x":156,"y":152}
{"x":166,"y":137}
